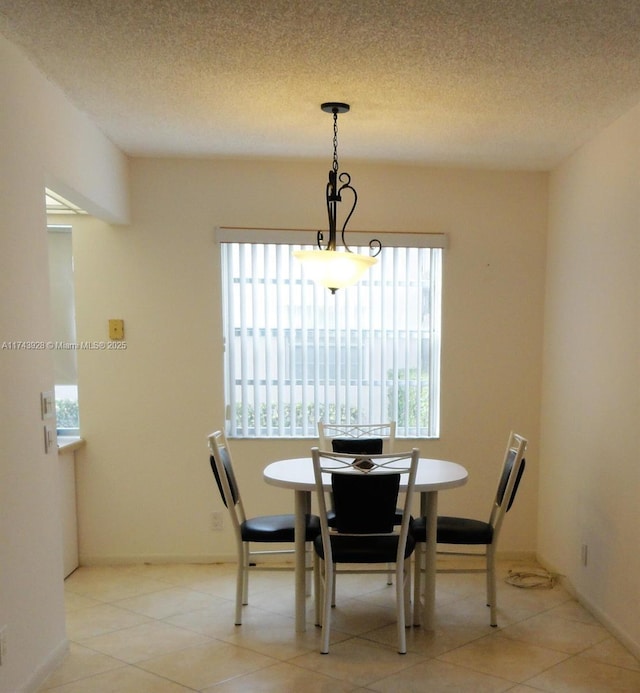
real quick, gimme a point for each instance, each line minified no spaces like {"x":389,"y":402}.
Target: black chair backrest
{"x":365,"y":503}
{"x":358,"y":446}
{"x":233,"y":485}
{"x":504,"y":479}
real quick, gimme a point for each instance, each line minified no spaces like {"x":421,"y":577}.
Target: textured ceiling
{"x":499,"y":83}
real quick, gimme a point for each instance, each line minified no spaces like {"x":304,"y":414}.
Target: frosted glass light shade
{"x":334,"y":269}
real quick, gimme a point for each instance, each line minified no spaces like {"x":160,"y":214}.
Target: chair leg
{"x":389,"y":574}
{"x":329,"y":582}
{"x":491,"y":585}
{"x":240,"y":582}
{"x":308,"y":562}
{"x":245,"y":577}
{"x":407,"y":593}
{"x":317,"y":589}
{"x":321,"y":591}
{"x":417,"y":582}
{"x":401,"y":595}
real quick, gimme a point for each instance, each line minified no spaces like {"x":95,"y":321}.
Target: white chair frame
{"x":386,"y":431}
{"x":328,"y":462}
{"x":516,"y":446}
{"x":328,"y":431}
{"x":247,"y":558}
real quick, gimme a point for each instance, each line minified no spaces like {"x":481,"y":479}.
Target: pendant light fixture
{"x":329,"y":266}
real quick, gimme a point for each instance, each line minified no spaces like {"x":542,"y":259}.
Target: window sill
{"x":70,"y":443}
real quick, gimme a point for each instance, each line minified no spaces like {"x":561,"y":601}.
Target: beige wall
{"x":589,"y":472}
{"x":42,"y":139}
{"x":145,"y":488}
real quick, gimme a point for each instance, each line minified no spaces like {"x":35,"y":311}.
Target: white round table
{"x":432,"y":476}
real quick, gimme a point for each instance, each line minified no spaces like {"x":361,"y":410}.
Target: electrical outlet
{"x":217,"y":521}
{"x":3,"y":644}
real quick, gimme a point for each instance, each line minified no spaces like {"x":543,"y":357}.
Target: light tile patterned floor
{"x":169,"y":629}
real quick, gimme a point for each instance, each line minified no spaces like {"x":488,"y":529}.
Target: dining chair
{"x":365,"y":433}
{"x":462,"y":531}
{"x":264,"y":529}
{"x":358,"y":439}
{"x":364,"y":535}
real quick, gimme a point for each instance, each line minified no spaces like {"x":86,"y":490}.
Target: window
{"x":64,"y":329}
{"x":295,"y":353}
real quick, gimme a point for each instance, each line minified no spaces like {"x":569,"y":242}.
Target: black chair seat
{"x":455,"y":530}
{"x":364,"y":549}
{"x":277,"y":528}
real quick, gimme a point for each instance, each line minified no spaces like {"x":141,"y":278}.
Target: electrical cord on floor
{"x":532,"y":579}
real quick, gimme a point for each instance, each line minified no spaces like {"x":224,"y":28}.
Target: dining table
{"x":432,"y":475}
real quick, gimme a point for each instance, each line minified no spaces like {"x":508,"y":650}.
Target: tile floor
{"x":169,"y":629}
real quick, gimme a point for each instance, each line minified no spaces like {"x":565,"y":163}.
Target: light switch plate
{"x":116,"y":329}
{"x":47,"y":405}
{"x":50,"y":439}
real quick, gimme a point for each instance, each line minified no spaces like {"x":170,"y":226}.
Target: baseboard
{"x":596,"y":612}
{"x":165,"y":559}
{"x":159,"y":559}
{"x":50,"y":664}
{"x":155,"y":559}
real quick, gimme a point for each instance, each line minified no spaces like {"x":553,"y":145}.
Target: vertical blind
{"x":296,"y":354}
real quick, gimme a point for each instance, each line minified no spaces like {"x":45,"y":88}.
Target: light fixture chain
{"x":335,"y":140}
